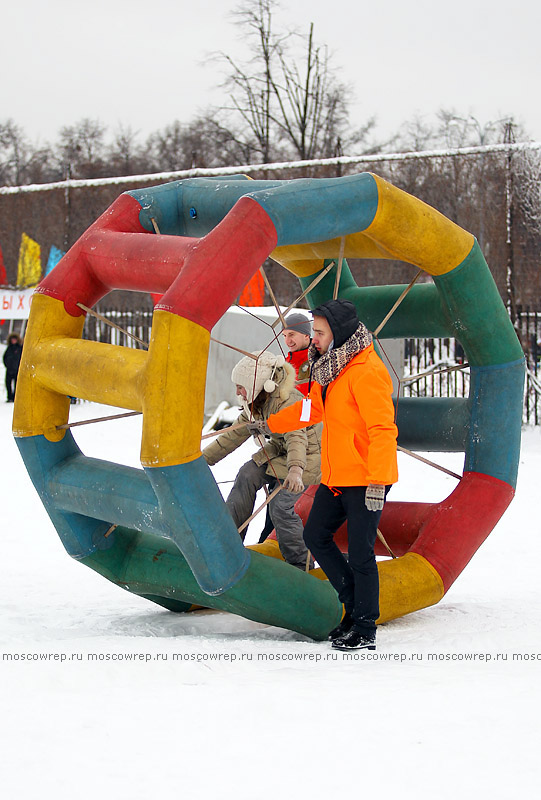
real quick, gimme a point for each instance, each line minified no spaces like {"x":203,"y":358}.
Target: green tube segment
{"x":437,"y":424}
{"x":477,"y":313}
{"x":271,"y":591}
{"x":421,"y":314}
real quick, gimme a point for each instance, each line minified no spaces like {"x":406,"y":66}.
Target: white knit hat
{"x":256,"y":375}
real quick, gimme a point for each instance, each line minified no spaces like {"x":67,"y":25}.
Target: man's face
{"x":295,"y":340}
{"x":322,"y":335}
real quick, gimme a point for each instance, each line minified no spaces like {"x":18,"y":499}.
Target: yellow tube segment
{"x":407,"y":584}
{"x":95,"y":371}
{"x":403,"y":228}
{"x":39,"y":410}
{"x":174,"y":399}
{"x":413,"y":231}
{"x":306,"y":259}
{"x":167,"y":383}
{"x":57,"y":364}
{"x":269,"y":547}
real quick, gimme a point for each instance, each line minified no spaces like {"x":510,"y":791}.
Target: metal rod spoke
{"x":224,"y":430}
{"x":273,"y":297}
{"x":261,"y":507}
{"x":393,"y":309}
{"x":421,"y":375}
{"x":308,"y":289}
{"x":381,"y":537}
{"x":430,"y":463}
{"x":232,"y":347}
{"x":339,"y":268}
{"x":96,"y":419}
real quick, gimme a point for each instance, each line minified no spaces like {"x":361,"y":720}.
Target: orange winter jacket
{"x":358,"y":443}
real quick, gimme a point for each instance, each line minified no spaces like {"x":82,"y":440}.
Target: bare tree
{"x":415,"y":135}
{"x":15,"y":153}
{"x":81,"y":149}
{"x":167,"y":148}
{"x":527,"y":170}
{"x":126,"y":156}
{"x":286,"y":95}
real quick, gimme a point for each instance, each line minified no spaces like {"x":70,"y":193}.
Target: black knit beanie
{"x":342,"y":318}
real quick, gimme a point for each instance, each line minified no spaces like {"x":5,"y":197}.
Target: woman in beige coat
{"x":266,"y":385}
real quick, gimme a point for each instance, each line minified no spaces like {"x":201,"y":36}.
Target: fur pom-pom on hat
{"x":255,"y":374}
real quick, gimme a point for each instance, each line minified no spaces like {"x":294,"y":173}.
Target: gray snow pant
{"x":288,"y":524}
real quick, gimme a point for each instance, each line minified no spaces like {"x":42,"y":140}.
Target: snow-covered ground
{"x":110,"y":696}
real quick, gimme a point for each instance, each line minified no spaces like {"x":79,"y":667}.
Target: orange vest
{"x":358,"y":443}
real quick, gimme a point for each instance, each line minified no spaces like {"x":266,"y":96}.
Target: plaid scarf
{"x":327,"y":367}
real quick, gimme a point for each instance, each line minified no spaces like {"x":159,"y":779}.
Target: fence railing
{"x":427,"y":357}
{"x":529,"y":331}
{"x":134,"y":322}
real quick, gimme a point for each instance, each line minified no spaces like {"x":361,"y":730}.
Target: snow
{"x":443,"y":708}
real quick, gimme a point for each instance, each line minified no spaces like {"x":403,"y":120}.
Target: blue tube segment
{"x":197,"y":520}
{"x":85,"y":496}
{"x":317,"y":209}
{"x":81,"y":535}
{"x":192,"y":207}
{"x":302,"y":210}
{"x":496,"y":394}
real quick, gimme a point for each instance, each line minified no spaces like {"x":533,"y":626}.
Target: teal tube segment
{"x":314,"y":210}
{"x":496,"y":419}
{"x":80,"y":534}
{"x":170,"y":203}
{"x":105,"y":491}
{"x":302,"y":210}
{"x":197,"y":520}
{"x":85,"y":496}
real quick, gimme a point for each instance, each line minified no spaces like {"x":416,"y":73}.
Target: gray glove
{"x":258,"y":427}
{"x":293,"y":482}
{"x":374,"y":497}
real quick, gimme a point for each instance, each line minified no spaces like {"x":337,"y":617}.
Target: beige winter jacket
{"x":284,"y":450}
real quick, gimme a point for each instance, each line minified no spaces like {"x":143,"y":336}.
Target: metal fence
{"x":129,"y":326}
{"x":429,"y":358}
{"x":529,"y":331}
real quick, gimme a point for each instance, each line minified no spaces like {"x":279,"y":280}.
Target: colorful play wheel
{"x":174,"y":541}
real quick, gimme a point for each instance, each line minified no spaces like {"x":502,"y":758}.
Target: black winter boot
{"x":345,"y":626}
{"x":355,"y":640}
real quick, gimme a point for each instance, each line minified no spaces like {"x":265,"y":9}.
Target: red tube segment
{"x":447,"y":534}
{"x":116,"y":252}
{"x":220,"y":264}
{"x":459,"y":525}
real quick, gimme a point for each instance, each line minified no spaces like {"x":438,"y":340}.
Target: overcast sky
{"x":145,"y":63}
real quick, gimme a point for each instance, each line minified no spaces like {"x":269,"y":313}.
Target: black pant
{"x":11,"y":383}
{"x":355,"y":580}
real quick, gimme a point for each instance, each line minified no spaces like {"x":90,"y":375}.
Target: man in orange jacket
{"x":351,"y":394}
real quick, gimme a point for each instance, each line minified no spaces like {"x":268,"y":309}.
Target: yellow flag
{"x":29,"y":268}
